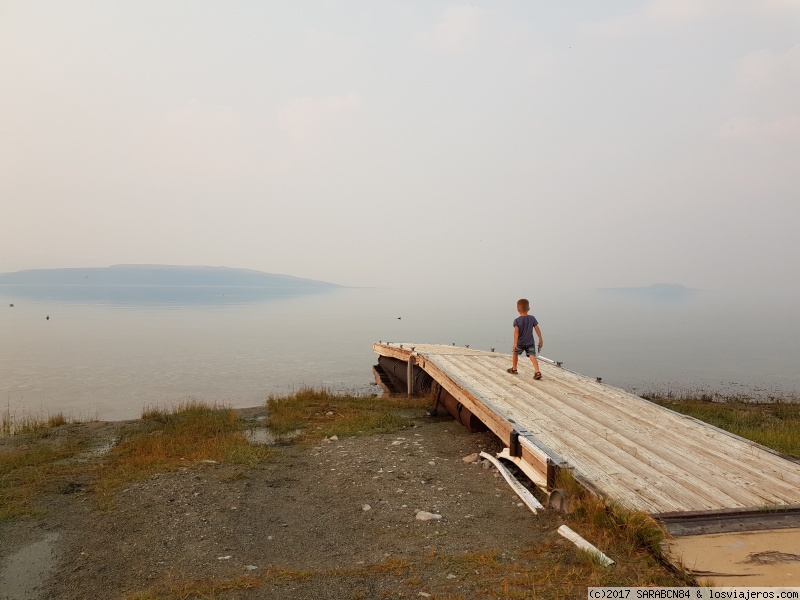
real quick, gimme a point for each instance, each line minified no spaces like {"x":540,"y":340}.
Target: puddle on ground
{"x":262,"y":436}
{"x":103,"y":449}
{"x":96,"y":451}
{"x":750,"y":558}
{"x":28,"y":568}
{"x":772,"y":557}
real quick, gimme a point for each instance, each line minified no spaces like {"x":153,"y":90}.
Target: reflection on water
{"x":111,"y":358}
{"x":153,"y":295}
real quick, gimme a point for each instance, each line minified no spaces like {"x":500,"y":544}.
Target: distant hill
{"x":160,"y":275}
{"x":125,"y":284}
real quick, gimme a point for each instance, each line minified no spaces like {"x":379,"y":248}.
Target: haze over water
{"x":478,"y":152}
{"x":110,"y":359}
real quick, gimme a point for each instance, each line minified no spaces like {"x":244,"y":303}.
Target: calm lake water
{"x":110,"y":356}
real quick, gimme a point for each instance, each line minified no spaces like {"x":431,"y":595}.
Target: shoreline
{"x":327,"y":510}
{"x":332,"y":516}
{"x":670,"y":395}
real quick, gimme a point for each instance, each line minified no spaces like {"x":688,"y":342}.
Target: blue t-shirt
{"x":526,"y":323}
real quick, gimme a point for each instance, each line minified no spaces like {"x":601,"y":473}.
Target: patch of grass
{"x":775,"y":424}
{"x":550,"y":569}
{"x":179,"y":587}
{"x":27,"y":470}
{"x":166,"y":439}
{"x":633,"y":539}
{"x":182,"y":588}
{"x":11,"y":424}
{"x":320,"y":413}
{"x":286,"y":574}
{"x":610,"y":526}
{"x":553,"y":568}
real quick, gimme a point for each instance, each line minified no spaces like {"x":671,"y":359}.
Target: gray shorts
{"x":527,"y":349}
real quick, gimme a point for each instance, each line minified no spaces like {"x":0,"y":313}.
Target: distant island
{"x":156,"y":283}
{"x":657,"y":291}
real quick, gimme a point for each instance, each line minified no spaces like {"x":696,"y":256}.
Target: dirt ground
{"x":335,"y":520}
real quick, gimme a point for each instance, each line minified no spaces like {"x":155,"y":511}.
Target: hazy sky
{"x":580,"y":144}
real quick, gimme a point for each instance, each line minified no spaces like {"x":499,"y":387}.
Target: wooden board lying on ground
{"x":630,"y":450}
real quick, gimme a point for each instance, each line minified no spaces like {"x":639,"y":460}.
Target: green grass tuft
{"x":167,"y":439}
{"x":26,"y":471}
{"x":180,"y":587}
{"x":320,"y":413}
{"x":11,"y":424}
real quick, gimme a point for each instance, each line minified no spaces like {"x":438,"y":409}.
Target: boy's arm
{"x":539,"y":333}
{"x":516,"y":337}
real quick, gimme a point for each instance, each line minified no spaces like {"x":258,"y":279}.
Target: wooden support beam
{"x":542,"y":464}
{"x":494,"y":421}
{"x":530,"y":471}
{"x":393,"y":351}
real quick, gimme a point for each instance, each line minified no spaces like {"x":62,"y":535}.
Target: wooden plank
{"x":569,"y":423}
{"x":623,"y":441}
{"x":391,"y":351}
{"x":494,"y":421}
{"x":646,"y":459}
{"x":647,"y":492}
{"x":624,"y":447}
{"x":655,"y":492}
{"x":725,"y":445}
{"x":680,"y":446}
{"x":537,"y":476}
{"x":693,"y":471}
{"x":564,"y":432}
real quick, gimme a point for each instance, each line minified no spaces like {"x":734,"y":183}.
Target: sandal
{"x":537,"y":375}
{"x":512,"y":371}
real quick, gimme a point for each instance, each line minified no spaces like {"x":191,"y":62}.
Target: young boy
{"x":524,"y":326}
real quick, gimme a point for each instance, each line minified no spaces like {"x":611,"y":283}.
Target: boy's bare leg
{"x":514,"y":360}
{"x":535,"y":363}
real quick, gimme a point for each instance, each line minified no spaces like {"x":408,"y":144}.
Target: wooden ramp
{"x":627,"y":449}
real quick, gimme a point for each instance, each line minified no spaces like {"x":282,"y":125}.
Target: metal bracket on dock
{"x":541,"y":464}
{"x":412,"y":358}
{"x":513,"y":444}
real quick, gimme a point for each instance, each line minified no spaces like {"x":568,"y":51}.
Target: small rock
{"x":251,"y":568}
{"x":224,"y":557}
{"x":431,"y":463}
{"x":425,"y":594}
{"x":329,"y":413}
{"x":325,"y":441}
{"x":424,"y":515}
{"x":472,"y":458}
{"x":396,"y":443}
{"x":333,"y":438}
{"x":451,"y":576}
{"x":366,"y":507}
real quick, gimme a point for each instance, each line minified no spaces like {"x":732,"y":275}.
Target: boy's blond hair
{"x":523,"y":304}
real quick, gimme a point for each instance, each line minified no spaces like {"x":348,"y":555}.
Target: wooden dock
{"x":623,"y":447}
